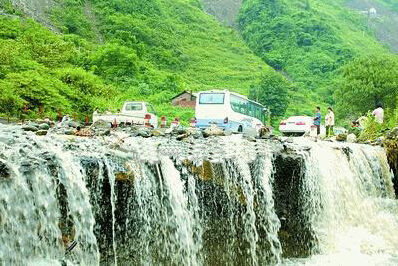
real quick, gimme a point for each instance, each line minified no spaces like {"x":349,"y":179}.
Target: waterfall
{"x":354,"y":213}
{"x":214,"y":201}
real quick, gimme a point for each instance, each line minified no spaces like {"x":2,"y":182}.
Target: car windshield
{"x":134,"y":107}
{"x":211,"y":98}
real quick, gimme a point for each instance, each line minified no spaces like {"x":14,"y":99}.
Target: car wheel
{"x":240,"y":129}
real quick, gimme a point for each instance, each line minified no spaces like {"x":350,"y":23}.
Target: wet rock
{"x":30,"y":128}
{"x":341,"y":137}
{"x":351,"y":138}
{"x":44,"y":126}
{"x":106,"y":132}
{"x":102,"y":124}
{"x":85,"y":132}
{"x":250,"y":132}
{"x":5,"y":171}
{"x":380,"y":141}
{"x":69,"y":132}
{"x":182,"y":136}
{"x":159,"y":132}
{"x":213,"y":130}
{"x":265,"y":132}
{"x":228,"y":132}
{"x":143,"y":132}
{"x":250,"y":138}
{"x":41,"y":132}
{"x":393,"y":133}
{"x":73,"y":124}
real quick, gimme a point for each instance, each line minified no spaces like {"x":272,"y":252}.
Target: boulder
{"x":102,"y":124}
{"x":393,"y":133}
{"x":69,"y":132}
{"x":41,"y":132}
{"x":158,"y":133}
{"x":5,"y":170}
{"x":351,"y":138}
{"x":44,"y":126}
{"x":341,"y":137}
{"x":30,"y":128}
{"x":228,"y":132}
{"x":73,"y":124}
{"x":214,"y":130}
{"x":250,"y":132}
{"x":143,"y":132}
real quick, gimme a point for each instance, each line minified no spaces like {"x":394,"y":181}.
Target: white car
{"x":296,"y":125}
{"x":139,"y":113}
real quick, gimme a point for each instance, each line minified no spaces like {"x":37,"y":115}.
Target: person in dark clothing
{"x":317,"y":119}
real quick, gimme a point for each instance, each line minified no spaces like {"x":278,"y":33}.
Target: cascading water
{"x":214,"y":201}
{"x":351,"y":202}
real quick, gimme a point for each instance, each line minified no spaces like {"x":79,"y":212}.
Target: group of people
{"x":378,"y":113}
{"x":329,"y":121}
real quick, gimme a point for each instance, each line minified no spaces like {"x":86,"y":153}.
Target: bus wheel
{"x":240,"y":129}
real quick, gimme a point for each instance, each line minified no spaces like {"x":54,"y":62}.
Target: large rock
{"x":351,"y":138}
{"x":393,"y":133}
{"x":44,"y":126}
{"x":41,"y":132}
{"x":30,"y":128}
{"x":214,"y":130}
{"x":341,"y":137}
{"x":250,"y":132}
{"x":102,"y":124}
{"x":5,"y":170}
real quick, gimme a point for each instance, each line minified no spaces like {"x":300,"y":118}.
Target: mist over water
{"x":214,"y":201}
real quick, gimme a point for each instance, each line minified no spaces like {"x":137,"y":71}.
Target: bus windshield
{"x":211,"y":98}
{"x":247,"y":107}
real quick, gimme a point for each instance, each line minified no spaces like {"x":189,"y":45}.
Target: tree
{"x":367,"y":82}
{"x":272,"y":91}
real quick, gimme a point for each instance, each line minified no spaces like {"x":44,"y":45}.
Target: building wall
{"x":183,"y":97}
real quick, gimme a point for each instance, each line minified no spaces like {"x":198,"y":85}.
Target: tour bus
{"x":228,"y":110}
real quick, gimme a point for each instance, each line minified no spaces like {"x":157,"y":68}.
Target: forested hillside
{"x":106,"y":52}
{"x":309,"y":40}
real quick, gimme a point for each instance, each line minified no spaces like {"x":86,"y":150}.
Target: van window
{"x":211,"y":98}
{"x":134,"y":107}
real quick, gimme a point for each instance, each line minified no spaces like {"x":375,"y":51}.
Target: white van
{"x":228,"y":110}
{"x":137,"y":113}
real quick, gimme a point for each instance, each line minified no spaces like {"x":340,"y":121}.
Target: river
{"x":208,"y":201}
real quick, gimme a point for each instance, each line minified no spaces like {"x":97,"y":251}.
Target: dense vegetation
{"x":111,"y":51}
{"x":308,"y":40}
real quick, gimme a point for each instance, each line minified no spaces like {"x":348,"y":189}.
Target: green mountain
{"x":135,"y":49}
{"x":308,"y":40}
{"x":78,"y":54}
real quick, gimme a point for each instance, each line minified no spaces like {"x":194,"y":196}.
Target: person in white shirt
{"x":379,"y":114}
{"x":329,"y":122}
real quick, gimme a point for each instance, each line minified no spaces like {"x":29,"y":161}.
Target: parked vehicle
{"x":228,"y":110}
{"x":138,"y":113}
{"x":296,"y":125}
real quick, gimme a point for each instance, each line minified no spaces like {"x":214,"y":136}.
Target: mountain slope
{"x":310,"y":40}
{"x":149,"y":49}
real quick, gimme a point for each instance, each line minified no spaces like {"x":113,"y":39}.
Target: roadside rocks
{"x":341,"y":137}
{"x":351,"y":138}
{"x":41,"y":132}
{"x":30,"y":128}
{"x":44,"y":126}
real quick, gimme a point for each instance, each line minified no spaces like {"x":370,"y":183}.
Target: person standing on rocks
{"x":379,"y":113}
{"x":317,"y":120}
{"x":329,"y":121}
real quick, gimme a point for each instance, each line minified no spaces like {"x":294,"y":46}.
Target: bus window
{"x":211,"y":98}
{"x":240,"y":105}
